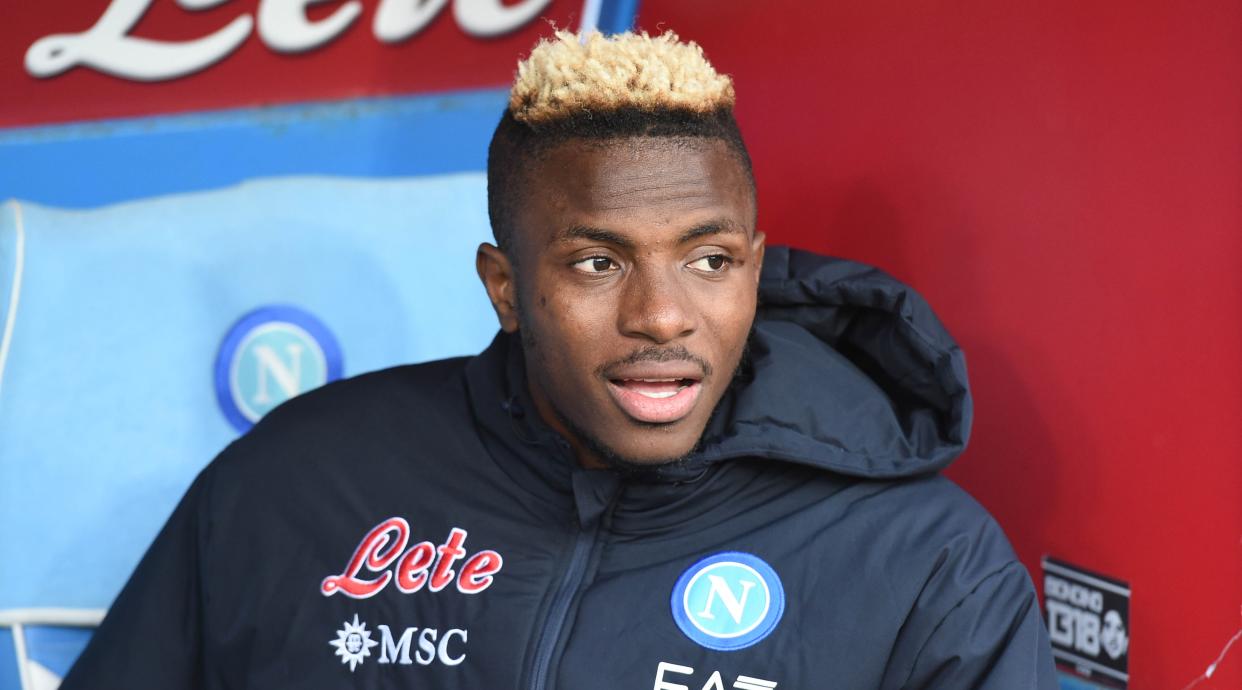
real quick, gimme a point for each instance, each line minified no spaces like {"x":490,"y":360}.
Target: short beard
{"x":616,"y":461}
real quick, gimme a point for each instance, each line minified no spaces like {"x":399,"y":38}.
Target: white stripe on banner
{"x":1123,"y":591}
{"x":79,"y":618}
{"x":19,"y":648}
{"x":15,"y":294}
{"x":1075,"y":659}
{"x":41,"y":678}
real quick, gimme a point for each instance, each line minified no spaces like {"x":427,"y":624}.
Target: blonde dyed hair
{"x":569,"y":74}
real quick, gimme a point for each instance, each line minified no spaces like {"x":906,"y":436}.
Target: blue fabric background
{"x":107,"y":406}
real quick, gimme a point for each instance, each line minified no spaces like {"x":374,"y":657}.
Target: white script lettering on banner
{"x":283,"y":27}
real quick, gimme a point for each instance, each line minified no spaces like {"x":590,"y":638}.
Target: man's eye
{"x":711,"y":264}
{"x":595,"y":264}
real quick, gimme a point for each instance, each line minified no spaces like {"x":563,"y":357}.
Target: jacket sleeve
{"x":994,"y":638}
{"x":151,"y":637}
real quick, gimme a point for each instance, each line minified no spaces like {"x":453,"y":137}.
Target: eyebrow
{"x":582,"y":232}
{"x":713,"y":227}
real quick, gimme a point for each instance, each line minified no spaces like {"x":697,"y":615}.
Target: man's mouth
{"x":655,"y":400}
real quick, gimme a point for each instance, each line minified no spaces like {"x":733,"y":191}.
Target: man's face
{"x":635,"y":291}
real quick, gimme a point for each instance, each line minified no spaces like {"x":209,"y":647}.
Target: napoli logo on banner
{"x":728,"y":601}
{"x":270,"y":355}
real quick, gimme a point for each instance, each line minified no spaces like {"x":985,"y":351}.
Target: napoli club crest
{"x":728,"y":601}
{"x":269,"y":356}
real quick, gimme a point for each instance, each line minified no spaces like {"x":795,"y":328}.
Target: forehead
{"x":648,"y":186}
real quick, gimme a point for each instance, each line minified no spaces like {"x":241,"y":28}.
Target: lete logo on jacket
{"x":423,"y":564}
{"x":728,"y":601}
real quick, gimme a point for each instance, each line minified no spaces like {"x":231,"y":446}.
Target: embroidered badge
{"x":270,"y":355}
{"x":728,"y":601}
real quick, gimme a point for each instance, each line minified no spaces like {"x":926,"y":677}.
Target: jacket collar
{"x":541,"y":462}
{"x":525,"y":448}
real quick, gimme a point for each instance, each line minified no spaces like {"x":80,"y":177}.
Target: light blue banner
{"x":108,"y":400}
{"x":92,"y":163}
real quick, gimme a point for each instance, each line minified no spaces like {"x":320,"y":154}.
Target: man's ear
{"x":496,"y":272}
{"x":757,"y":245}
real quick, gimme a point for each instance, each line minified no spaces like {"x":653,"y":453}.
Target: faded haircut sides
{"x":602,"y":89}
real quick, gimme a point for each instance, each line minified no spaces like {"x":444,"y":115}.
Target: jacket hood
{"x":849,"y":370}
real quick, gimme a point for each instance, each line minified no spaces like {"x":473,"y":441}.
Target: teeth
{"x":660,"y":396}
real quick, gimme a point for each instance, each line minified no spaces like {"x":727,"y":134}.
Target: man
{"x":639,"y":484}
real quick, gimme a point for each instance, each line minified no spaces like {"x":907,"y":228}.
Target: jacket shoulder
{"x":390,"y":389}
{"x":960,"y":542}
{"x":370,"y":415}
{"x":974,"y":617}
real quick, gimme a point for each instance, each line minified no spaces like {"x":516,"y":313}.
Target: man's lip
{"x":655,"y":371}
{"x":655,"y":400}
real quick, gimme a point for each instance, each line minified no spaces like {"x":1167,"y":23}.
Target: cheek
{"x":728,"y":314}
{"x":571,"y":325}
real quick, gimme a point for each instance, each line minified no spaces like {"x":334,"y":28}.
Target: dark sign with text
{"x":1088,"y":618}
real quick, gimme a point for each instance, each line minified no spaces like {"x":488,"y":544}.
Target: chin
{"x":641,"y":446}
{"x":658,"y":448}
{"x":638,"y":464}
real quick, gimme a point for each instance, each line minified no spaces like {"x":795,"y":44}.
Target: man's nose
{"x":655,"y":306}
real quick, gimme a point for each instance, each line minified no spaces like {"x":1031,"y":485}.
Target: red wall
{"x":1061,"y":180}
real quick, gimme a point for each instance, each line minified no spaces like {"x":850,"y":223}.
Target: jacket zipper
{"x":584,"y":543}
